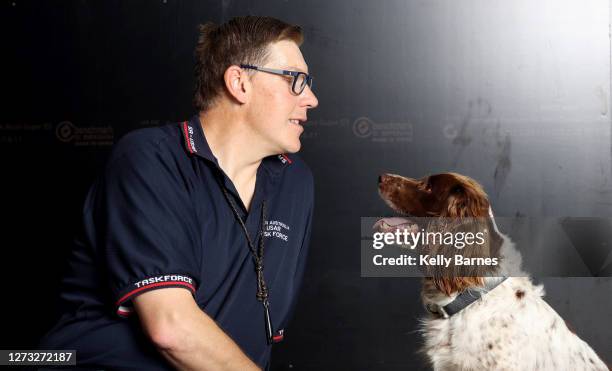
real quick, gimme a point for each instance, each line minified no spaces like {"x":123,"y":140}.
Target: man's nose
{"x":309,"y":99}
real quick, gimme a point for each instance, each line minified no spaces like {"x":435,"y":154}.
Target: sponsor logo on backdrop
{"x":64,"y":131}
{"x":384,"y":132}
{"x":67,"y":132}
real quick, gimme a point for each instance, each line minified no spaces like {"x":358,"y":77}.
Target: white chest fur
{"x":509,"y":328}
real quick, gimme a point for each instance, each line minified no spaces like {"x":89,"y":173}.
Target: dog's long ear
{"x":467,"y":211}
{"x":470,"y":200}
{"x":456,"y":277}
{"x":467,"y":201}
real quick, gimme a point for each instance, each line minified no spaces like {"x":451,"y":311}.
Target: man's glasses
{"x":300,"y":79}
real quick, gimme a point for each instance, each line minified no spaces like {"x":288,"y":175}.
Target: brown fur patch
{"x":450,"y":285}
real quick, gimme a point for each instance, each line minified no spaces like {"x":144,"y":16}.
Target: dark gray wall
{"x":515,"y":94}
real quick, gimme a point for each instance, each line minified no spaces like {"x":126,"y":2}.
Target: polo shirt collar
{"x":195,"y":143}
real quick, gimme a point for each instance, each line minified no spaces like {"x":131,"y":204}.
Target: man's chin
{"x":293,"y":147}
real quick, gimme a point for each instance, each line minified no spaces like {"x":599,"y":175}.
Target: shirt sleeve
{"x":146,"y":226}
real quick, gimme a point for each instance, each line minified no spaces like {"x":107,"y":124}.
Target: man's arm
{"x":186,"y":336}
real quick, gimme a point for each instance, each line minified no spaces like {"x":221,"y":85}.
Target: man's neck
{"x":231,"y":142}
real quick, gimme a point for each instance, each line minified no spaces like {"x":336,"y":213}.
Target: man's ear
{"x":237,"y":83}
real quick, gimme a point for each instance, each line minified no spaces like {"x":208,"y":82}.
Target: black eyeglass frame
{"x":295,"y":74}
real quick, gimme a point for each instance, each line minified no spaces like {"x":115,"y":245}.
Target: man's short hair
{"x":242,"y":40}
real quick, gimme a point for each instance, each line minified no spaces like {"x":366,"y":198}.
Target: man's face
{"x":276,"y":114}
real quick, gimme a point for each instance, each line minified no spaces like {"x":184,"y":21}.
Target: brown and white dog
{"x":509,"y":326}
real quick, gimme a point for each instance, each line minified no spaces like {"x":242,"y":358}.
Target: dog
{"x":497,"y":321}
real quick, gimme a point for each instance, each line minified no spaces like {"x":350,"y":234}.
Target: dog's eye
{"x":457,"y":189}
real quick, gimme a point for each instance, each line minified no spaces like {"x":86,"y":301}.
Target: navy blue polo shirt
{"x":156,"y":218}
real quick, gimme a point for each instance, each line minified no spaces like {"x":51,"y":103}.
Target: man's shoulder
{"x":150,"y":140}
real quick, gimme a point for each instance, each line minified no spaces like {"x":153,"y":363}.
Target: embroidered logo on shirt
{"x":277,"y":229}
{"x":164,"y":278}
{"x":151,"y":283}
{"x":188,"y":132}
{"x":284,"y":159}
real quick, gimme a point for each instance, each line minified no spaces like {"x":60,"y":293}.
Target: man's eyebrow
{"x":294,"y":68}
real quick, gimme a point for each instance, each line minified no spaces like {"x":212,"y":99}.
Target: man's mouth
{"x":297,"y":122}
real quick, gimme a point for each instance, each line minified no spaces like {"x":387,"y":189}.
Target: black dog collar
{"x":462,"y":300}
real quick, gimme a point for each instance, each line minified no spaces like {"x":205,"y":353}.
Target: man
{"x":163,"y":274}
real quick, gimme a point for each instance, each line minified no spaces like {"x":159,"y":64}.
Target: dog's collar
{"x":462,"y":300}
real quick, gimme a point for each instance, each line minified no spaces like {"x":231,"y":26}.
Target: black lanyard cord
{"x":258,"y":259}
